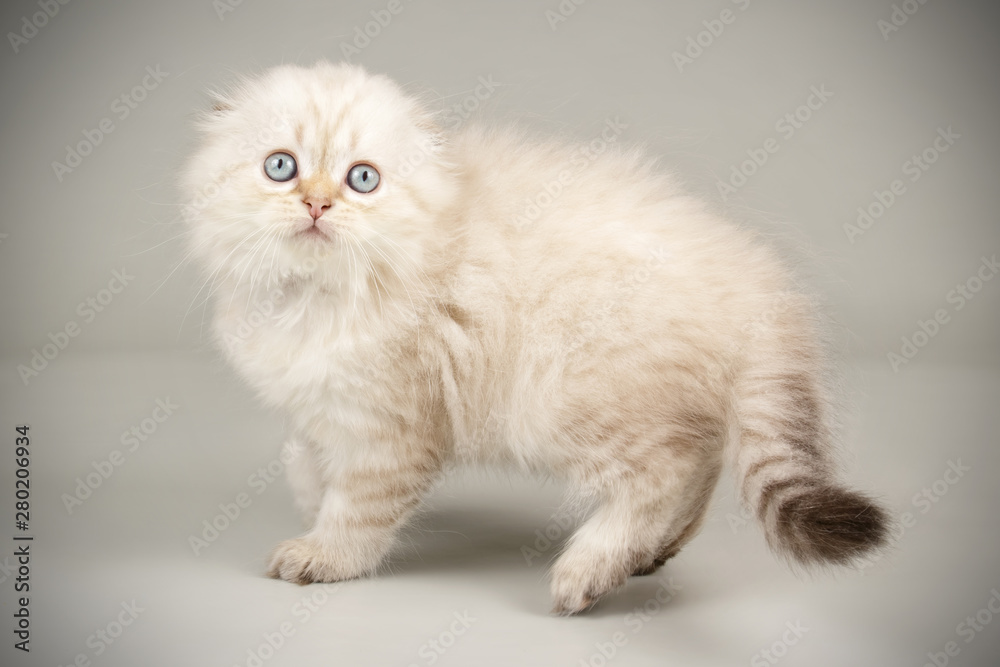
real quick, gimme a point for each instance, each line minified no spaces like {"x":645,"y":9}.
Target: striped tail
{"x":785,"y":473}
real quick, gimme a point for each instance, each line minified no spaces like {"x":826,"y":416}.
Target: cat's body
{"x":621,"y":337}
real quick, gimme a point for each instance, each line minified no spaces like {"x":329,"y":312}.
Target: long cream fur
{"x":618,"y":335}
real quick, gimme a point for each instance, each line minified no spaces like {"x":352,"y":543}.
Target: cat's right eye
{"x":280,"y":167}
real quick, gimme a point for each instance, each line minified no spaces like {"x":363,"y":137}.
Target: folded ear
{"x":427,"y":124}
{"x":221,"y":104}
{"x":219,"y":110}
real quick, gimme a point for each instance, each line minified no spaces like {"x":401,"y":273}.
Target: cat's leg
{"x":642,"y":519}
{"x":363,"y":503}
{"x":672,"y":547}
{"x":303,"y":472}
{"x":685,"y":527}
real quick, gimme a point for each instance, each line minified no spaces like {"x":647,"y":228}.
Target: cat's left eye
{"x":280,"y":167}
{"x":363,"y":178}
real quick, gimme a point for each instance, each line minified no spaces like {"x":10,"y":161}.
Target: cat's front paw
{"x":305,"y":560}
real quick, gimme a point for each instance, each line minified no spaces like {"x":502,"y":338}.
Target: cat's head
{"x":323,"y":173}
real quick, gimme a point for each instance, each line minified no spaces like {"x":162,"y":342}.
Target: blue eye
{"x":280,"y":167}
{"x":362,"y":178}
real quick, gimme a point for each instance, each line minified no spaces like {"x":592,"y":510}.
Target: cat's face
{"x":325,"y":173}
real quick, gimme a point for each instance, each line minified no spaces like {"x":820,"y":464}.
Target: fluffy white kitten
{"x":410,"y":298}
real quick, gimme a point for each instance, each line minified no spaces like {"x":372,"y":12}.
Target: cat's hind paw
{"x":580,"y":579}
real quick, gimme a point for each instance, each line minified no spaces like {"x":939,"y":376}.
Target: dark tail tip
{"x":827,"y":524}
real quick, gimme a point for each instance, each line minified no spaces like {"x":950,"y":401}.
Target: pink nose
{"x":316,"y":205}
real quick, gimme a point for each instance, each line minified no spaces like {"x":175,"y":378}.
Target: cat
{"x":412,"y":297}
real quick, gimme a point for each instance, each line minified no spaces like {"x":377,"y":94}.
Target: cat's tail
{"x":785,"y":470}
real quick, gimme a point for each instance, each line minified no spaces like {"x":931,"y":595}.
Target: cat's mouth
{"x":316,"y":230}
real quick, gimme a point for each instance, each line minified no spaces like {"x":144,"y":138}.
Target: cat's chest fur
{"x":341,"y":369}
{"x":313,"y":358}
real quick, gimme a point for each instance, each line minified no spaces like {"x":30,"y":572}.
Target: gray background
{"x":60,"y":241}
